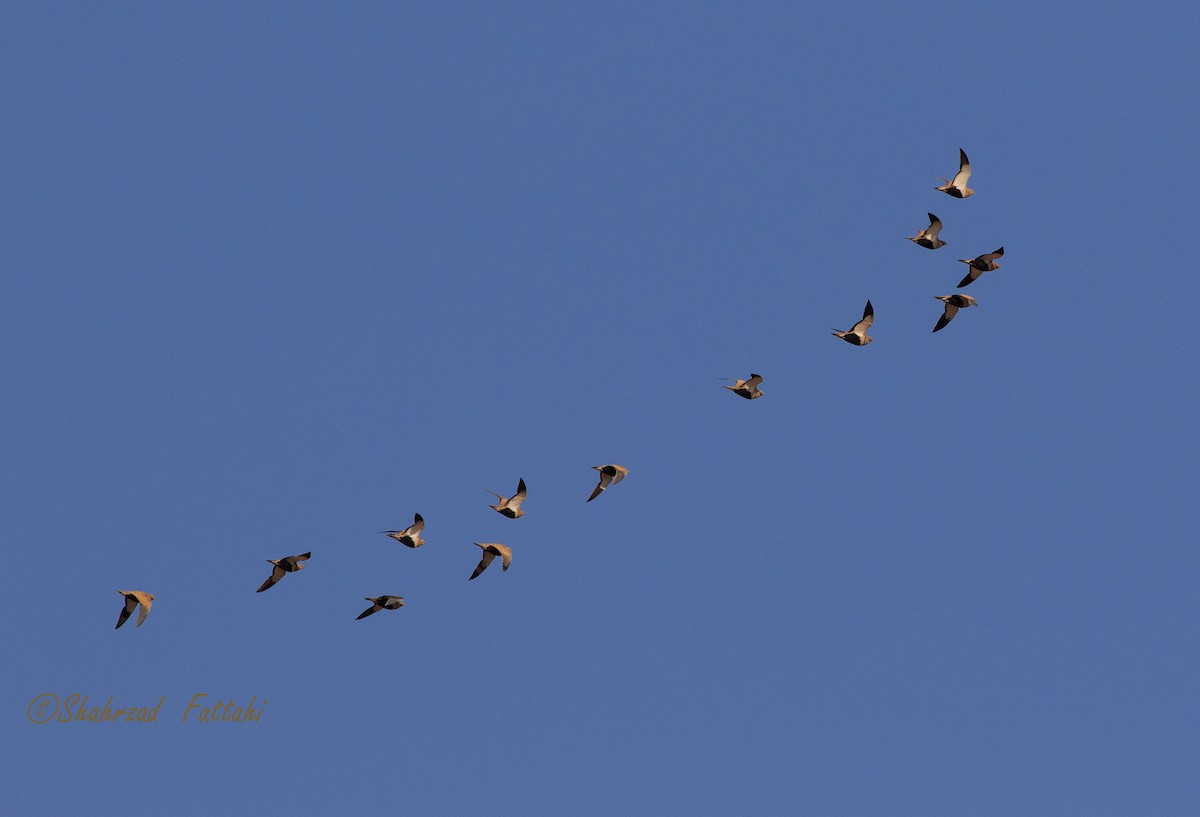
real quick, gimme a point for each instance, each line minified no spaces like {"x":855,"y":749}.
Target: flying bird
{"x":288,"y":564}
{"x":745,"y":388}
{"x":858,"y":333}
{"x":132,"y":599}
{"x":954,"y":303}
{"x":510,"y":507}
{"x":609,"y":475}
{"x":490,"y":551}
{"x":381,"y":603}
{"x":928,"y":238}
{"x":410,"y":536}
{"x":957,"y":186}
{"x":980,"y":265}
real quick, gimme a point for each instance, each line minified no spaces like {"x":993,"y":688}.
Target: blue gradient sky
{"x":279,"y":275}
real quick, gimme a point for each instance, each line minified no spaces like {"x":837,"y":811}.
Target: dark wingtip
{"x":418,"y":518}
{"x":521,"y":484}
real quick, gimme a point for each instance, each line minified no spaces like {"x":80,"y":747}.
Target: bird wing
{"x":988,"y":258}
{"x":505,"y":558}
{"x":518,"y":497}
{"x":753,"y":382}
{"x":972,"y":274}
{"x":620,"y":474}
{"x":947,"y":316}
{"x":483,"y":563}
{"x":374,"y":608}
{"x":418,"y":524}
{"x":605,"y":481}
{"x":935,"y":227}
{"x":964,"y":171}
{"x":277,"y":573}
{"x":130,"y":603}
{"x":868,"y":318}
{"x":145,"y":611}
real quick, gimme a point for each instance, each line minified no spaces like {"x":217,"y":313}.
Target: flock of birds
{"x":927,"y":238}
{"x":409,"y":537}
{"x":612,"y":474}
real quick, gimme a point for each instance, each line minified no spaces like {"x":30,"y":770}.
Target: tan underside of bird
{"x":609,"y":475}
{"x":979,"y":265}
{"x":957,"y":186}
{"x":746,"y":388}
{"x":288,"y":564}
{"x":381,"y":603}
{"x":953,"y":303}
{"x":511,"y":506}
{"x":857,"y":334}
{"x":134,"y":598}
{"x":928,"y":238}
{"x":409,"y":536}
{"x":490,"y":551}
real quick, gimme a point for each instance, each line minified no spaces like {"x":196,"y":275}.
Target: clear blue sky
{"x":277,"y":276}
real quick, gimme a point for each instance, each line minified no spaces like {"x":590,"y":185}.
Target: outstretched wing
{"x":988,"y":258}
{"x":947,"y":316}
{"x":130,"y":603}
{"x":753,"y":382}
{"x":868,"y":318}
{"x":418,"y":524}
{"x":483,"y":563}
{"x":935,"y":227}
{"x":972,"y":274}
{"x":505,"y":559}
{"x":518,"y":497}
{"x":374,"y":608}
{"x":964,"y":171}
{"x":277,"y":573}
{"x":145,"y":611}
{"x":605,"y":480}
